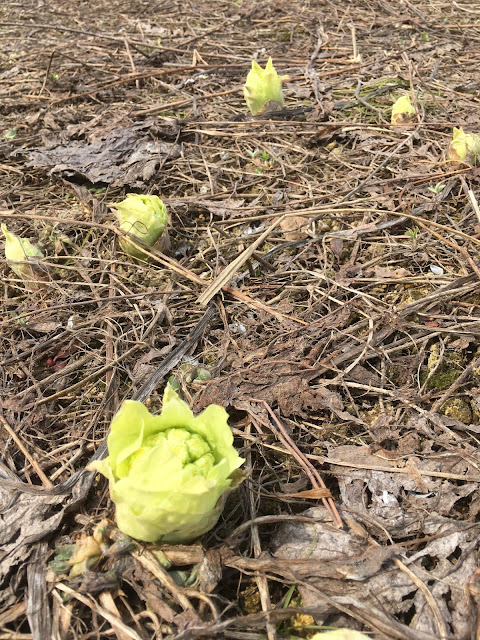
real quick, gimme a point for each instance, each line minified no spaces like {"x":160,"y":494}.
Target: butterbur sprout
{"x":403,"y":111}
{"x":145,"y":217}
{"x":263,"y":88}
{"x":464,"y":147}
{"x":169,"y":474}
{"x":20,"y":254}
{"x":86,"y":554}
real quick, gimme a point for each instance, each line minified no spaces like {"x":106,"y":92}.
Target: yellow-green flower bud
{"x":142,"y":216}
{"x":177,"y":442}
{"x":403,"y":111}
{"x":197,"y":446}
{"x":464,"y":147}
{"x":19,"y":252}
{"x":169,"y":474}
{"x":86,"y":547}
{"x":263,"y":88}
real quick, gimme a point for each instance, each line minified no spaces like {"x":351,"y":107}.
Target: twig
{"x":175,"y":356}
{"x":132,"y":63}
{"x":262,"y":582}
{"x":176,"y":266}
{"x":149,"y":561}
{"x":38,"y":470}
{"x":108,"y":615}
{"x":454,"y":245}
{"x":471,"y":196}
{"x":315,"y":478}
{"x":441,"y":626}
{"x":234,"y":266}
{"x":49,"y":65}
{"x":378,"y":168}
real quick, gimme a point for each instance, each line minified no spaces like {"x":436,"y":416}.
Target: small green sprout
{"x":9,"y":134}
{"x":438,"y":188}
{"x":412,"y":233}
{"x":260,"y":158}
{"x":174,"y":383}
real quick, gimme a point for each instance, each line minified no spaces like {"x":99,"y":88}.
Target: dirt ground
{"x":344,"y":343}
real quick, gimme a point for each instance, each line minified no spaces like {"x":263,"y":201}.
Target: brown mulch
{"x":344,"y":346}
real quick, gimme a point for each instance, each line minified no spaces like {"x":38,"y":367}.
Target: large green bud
{"x":464,"y":147}
{"x":169,"y":474}
{"x":21,"y":254}
{"x":144,"y":217}
{"x":263,"y":88}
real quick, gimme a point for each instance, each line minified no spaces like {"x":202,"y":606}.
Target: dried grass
{"x":320,"y":337}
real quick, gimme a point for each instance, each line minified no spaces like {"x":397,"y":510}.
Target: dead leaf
{"x":385,"y":272}
{"x":370,"y":580}
{"x":44,"y":327}
{"x":361,"y":374}
{"x":210,"y":570}
{"x":294,"y":228}
{"x":128,"y":155}
{"x":231,"y":208}
{"x":337,"y":246}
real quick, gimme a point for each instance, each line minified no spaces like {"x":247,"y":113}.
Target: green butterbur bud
{"x":86,"y":555}
{"x":203,"y":375}
{"x":197,"y":446}
{"x":20,"y":254}
{"x":403,"y":111}
{"x":144,"y":217}
{"x":169,"y":474}
{"x":263,"y":88}
{"x":177,"y":442}
{"x":189,"y":371}
{"x":60,"y":563}
{"x":204,"y":464}
{"x":174,"y":383}
{"x":464,"y":147}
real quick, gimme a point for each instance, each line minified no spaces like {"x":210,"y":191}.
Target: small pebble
{"x":438,"y":271}
{"x":237,"y":327}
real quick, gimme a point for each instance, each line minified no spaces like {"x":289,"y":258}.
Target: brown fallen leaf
{"x":384,"y":272}
{"x":294,"y":227}
{"x":337,"y":246}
